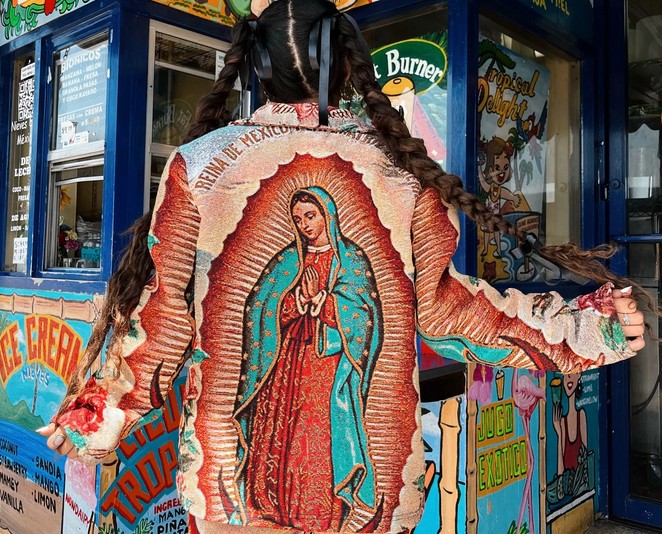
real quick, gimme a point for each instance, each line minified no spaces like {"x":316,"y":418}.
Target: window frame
{"x":6,"y":87}
{"x":107,"y":22}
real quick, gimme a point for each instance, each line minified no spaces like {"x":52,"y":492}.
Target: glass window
{"x":529,"y":164}
{"x":81,"y":74}
{"x":75,"y":211}
{"x":644,"y":208}
{"x":20,"y":172}
{"x":411,"y":63}
{"x":184,"y":70}
{"x":76,"y":217}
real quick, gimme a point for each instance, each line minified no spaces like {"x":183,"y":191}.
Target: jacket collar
{"x":305,"y":115}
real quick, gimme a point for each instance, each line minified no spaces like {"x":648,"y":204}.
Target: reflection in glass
{"x":644,"y":208}
{"x":184,"y":72}
{"x":529,"y":154}
{"x":78,"y":198}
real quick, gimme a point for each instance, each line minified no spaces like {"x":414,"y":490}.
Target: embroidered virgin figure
{"x":312,"y":335}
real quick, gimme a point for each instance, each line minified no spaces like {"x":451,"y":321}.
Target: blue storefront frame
{"x":128,"y":26}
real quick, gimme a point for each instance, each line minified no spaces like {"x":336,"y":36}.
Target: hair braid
{"x":411,"y":154}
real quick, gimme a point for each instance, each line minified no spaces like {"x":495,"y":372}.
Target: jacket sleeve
{"x":466,"y":319}
{"x":162,"y":329}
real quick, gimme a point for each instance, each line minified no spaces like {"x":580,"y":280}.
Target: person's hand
{"x":311,"y":283}
{"x":631,"y":319}
{"x":58,"y":440}
{"x":557,"y":411}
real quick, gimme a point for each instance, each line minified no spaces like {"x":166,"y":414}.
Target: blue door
{"x":633,"y":171}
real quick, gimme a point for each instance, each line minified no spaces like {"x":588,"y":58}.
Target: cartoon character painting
{"x":319,"y":333}
{"x":492,"y":178}
{"x":573,"y":460}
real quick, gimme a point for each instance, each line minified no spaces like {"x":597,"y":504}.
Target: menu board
{"x":81,"y":95}
{"x":18,"y":193}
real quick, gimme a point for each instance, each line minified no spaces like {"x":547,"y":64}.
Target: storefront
{"x":519,"y":97}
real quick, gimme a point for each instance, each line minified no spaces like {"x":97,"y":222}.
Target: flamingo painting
{"x":526,"y":396}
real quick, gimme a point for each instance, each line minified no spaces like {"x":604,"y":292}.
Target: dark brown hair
{"x":284,"y":29}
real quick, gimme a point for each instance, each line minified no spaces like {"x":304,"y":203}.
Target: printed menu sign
{"x":81,"y":95}
{"x":18,"y":204}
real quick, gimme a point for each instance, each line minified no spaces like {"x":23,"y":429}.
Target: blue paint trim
{"x":40,"y":146}
{"x":462,"y":116}
{"x":594,"y":220}
{"x":618,"y":375}
{"x":533,"y":23}
{"x":592,"y":148}
{"x":6,"y":76}
{"x":647,"y":238}
{"x":127,"y":135}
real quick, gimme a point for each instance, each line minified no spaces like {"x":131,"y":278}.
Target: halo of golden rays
{"x":265,"y":229}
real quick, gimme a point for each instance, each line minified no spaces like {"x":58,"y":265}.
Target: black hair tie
{"x":260,"y":54}
{"x":320,"y":54}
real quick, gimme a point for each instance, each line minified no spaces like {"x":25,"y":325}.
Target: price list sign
{"x":32,"y":484}
{"x":81,"y":95}
{"x":18,"y":201}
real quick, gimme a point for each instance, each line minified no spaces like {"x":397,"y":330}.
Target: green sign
{"x":414,"y":65}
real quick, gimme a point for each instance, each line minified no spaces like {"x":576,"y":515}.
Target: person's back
{"x":294,"y":263}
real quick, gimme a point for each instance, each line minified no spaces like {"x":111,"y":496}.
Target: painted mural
{"x":572,"y":446}
{"x":137,"y":484}
{"x":228,"y":12}
{"x":42,"y":338}
{"x":504,"y":455}
{"x":444,"y":439}
{"x":41,"y":341}
{"x":513,"y":95}
{"x":20,"y":16}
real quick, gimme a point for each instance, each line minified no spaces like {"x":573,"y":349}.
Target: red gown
{"x":289,"y":469}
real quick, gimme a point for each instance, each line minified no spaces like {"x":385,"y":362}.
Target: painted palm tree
{"x":518,"y":139}
{"x":525,"y":174}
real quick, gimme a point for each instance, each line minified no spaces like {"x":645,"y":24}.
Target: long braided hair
{"x":284,"y":30}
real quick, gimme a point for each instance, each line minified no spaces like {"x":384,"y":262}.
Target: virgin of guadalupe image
{"x":312,"y":335}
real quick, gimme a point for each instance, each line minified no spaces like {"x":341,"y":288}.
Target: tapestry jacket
{"x":315,"y":262}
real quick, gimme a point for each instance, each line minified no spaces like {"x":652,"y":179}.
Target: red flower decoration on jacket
{"x":306,"y":110}
{"x":85,"y":413}
{"x":601,"y":301}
